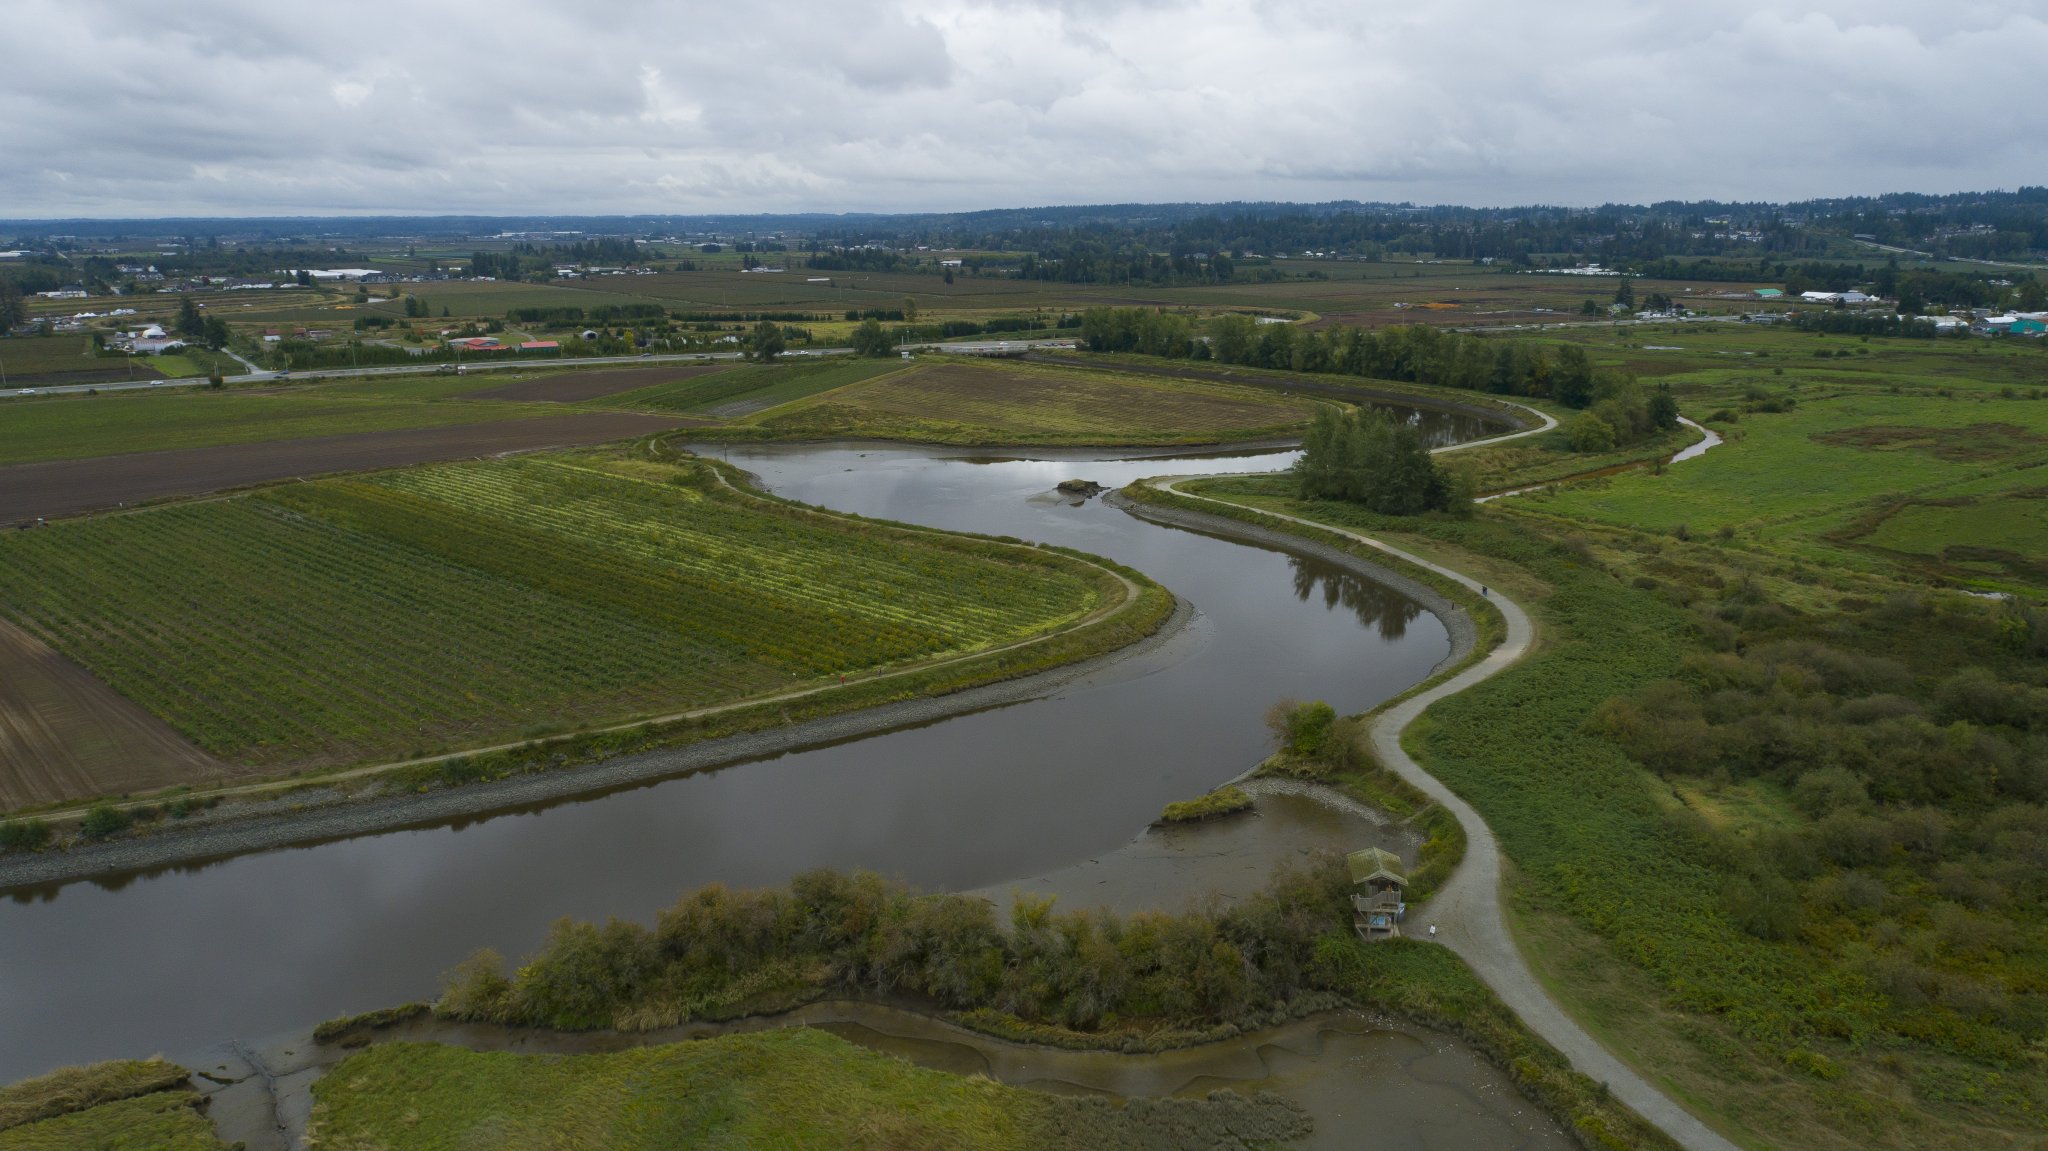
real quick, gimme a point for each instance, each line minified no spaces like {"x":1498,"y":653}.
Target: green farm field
{"x":750,"y":388}
{"x":1707,"y":359}
{"x":440,"y":608}
{"x":976,"y":402}
{"x":61,"y":359}
{"x":797,"y":1088}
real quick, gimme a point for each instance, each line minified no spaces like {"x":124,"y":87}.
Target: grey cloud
{"x":237,"y":106}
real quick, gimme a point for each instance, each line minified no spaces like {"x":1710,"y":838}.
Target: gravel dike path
{"x":1467,"y":910}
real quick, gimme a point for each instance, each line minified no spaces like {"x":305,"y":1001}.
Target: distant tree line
{"x":1621,"y":410}
{"x":855,"y":260}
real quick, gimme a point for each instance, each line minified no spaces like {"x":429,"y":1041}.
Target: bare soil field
{"x":117,"y":374}
{"x":65,"y":735}
{"x":571,"y":387}
{"x":72,"y":487}
{"x":974,"y":402}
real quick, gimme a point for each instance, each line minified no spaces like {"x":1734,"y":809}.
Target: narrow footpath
{"x":1467,"y":910}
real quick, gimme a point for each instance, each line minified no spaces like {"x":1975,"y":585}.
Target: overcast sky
{"x":255,"y":107}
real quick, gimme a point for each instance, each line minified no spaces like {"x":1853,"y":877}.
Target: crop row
{"x":355,"y":619}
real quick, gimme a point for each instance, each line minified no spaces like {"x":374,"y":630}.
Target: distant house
{"x":2023,"y":327}
{"x":540,"y":346}
{"x":1849,"y":297}
{"x":1770,"y":293}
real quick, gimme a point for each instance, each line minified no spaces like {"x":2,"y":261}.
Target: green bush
{"x":24,"y":835}
{"x":1222,"y":801}
{"x":1302,"y":729}
{"x":102,"y":820}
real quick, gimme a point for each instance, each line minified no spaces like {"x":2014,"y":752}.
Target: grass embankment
{"x":796,"y":1088}
{"x":1223,"y":801}
{"x":372,"y":617}
{"x":1813,"y":925}
{"x":126,"y":1105}
{"x":974,"y":402}
{"x":116,"y":423}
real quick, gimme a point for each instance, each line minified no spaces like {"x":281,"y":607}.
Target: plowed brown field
{"x":70,"y":487}
{"x":65,"y":735}
{"x":570,"y":387}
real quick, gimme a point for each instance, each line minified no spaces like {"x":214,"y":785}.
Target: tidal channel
{"x":1050,"y":793}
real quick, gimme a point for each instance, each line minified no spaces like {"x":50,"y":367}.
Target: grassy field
{"x":450,"y":606}
{"x":125,"y":1105}
{"x":1684,"y":881}
{"x":80,"y":426}
{"x":166,"y":1121}
{"x":1854,"y":476}
{"x":973,"y":402}
{"x":749,"y":388}
{"x":793,"y":1089}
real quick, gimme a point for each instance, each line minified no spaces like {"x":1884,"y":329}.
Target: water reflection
{"x":1377,"y":606}
{"x":260,"y":943}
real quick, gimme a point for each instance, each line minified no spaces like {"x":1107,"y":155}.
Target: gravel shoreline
{"x":323,"y":815}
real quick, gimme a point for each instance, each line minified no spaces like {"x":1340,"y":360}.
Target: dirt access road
{"x":73,"y":487}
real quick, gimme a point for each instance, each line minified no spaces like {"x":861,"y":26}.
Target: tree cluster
{"x":1365,"y":457}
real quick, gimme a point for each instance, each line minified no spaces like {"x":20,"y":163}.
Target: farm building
{"x":1770,"y":293}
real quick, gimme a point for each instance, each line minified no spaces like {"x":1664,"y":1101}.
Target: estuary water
{"x":256,"y":945}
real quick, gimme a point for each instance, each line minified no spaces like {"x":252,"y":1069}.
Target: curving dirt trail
{"x":1467,"y":910}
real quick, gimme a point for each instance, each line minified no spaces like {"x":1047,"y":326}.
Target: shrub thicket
{"x":720,"y":950}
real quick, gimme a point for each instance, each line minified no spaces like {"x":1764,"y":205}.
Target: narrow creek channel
{"x":1050,"y":795}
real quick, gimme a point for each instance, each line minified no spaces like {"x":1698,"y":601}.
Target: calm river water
{"x":255,"y":945}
